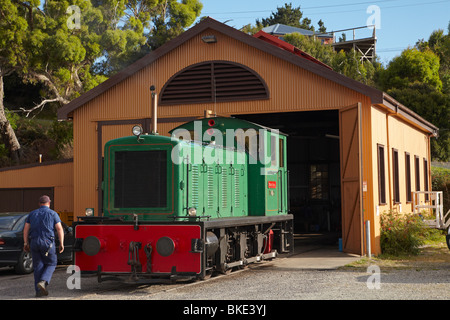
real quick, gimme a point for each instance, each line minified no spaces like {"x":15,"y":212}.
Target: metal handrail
{"x":433,"y":201}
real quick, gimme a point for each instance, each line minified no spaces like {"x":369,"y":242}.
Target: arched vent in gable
{"x":213,"y":81}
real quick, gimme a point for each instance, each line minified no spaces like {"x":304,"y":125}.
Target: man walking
{"x":39,"y":236}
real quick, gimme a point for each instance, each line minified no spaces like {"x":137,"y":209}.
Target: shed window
{"x":381,"y":175}
{"x":214,"y":81}
{"x":408,"y":176}
{"x":319,"y":181}
{"x":417,"y":172}
{"x":425,"y":177}
{"x":395,"y":176}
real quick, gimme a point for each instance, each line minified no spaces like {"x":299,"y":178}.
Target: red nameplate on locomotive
{"x":272,"y":184}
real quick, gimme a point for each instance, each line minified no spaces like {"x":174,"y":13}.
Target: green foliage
{"x":13,"y":27}
{"x":420,"y":79}
{"x":51,"y":138}
{"x":439,"y":43}
{"x":440,"y":181}
{"x":346,"y":63}
{"x":69,"y":52}
{"x":13,"y":118}
{"x":315,"y":48}
{"x":170,"y":19}
{"x":400,"y":233}
{"x":432,"y":105}
{"x":286,"y":15}
{"x":61,"y":132}
{"x":410,"y":67}
{"x":290,"y":16}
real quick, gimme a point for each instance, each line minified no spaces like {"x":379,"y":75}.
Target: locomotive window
{"x":273,"y":150}
{"x":140,"y":179}
{"x":281,"y":153}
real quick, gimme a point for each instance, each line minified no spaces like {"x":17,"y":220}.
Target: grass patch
{"x":433,"y":255}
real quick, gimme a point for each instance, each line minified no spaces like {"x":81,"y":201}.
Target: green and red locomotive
{"x":212,"y":197}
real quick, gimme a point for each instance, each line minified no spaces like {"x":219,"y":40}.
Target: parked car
{"x":11,"y":243}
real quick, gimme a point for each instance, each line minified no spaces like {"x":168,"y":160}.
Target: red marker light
{"x":211,"y":122}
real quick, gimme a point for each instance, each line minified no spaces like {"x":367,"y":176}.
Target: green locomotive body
{"x":167,"y":178}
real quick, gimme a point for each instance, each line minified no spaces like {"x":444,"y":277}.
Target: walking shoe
{"x":42,"y":286}
{"x":40,"y":294}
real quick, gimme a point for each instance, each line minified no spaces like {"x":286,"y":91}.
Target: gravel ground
{"x":269,"y":283}
{"x":426,"y":278}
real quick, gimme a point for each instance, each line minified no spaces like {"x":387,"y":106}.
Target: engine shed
{"x":348,"y":144}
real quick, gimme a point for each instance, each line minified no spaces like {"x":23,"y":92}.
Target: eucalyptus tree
{"x":72,"y":46}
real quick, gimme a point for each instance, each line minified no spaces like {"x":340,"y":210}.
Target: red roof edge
{"x":288,"y":47}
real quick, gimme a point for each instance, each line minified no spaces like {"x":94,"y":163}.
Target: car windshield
{"x":8,"y":222}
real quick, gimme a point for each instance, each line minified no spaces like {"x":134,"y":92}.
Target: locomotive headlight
{"x":89,"y":212}
{"x":137,"y":130}
{"x":192,"y":212}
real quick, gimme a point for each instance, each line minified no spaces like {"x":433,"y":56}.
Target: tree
{"x":432,"y":105}
{"x":439,"y":44}
{"x":60,"y":55}
{"x":346,"y":63}
{"x":314,"y":47}
{"x":417,"y":79}
{"x":286,"y":15}
{"x":289,"y":16}
{"x":412,"y":66}
{"x":139,"y":27}
{"x":70,"y":47}
{"x":170,"y":18}
{"x":12,"y":35}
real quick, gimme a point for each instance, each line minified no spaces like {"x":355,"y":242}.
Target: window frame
{"x":395,"y":177}
{"x":408,"y":177}
{"x":381,"y":166}
{"x":417,"y":171}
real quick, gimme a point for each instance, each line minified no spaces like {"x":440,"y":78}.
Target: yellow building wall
{"x":392,"y":132}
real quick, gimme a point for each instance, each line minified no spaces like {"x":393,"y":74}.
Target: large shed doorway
{"x":314,"y":168}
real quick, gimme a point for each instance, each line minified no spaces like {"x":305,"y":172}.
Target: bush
{"x":401,"y":233}
{"x":440,"y":181}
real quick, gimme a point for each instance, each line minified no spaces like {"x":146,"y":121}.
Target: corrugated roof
{"x":288,"y":47}
{"x":282,"y":29}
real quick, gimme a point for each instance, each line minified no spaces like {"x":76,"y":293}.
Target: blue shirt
{"x":42,"y":223}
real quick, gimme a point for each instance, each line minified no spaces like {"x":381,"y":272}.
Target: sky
{"x":399,"y":23}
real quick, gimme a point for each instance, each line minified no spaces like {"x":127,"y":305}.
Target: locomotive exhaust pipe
{"x":154,"y":124}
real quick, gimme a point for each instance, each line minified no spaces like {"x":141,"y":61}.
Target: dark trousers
{"x":44,"y":265}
